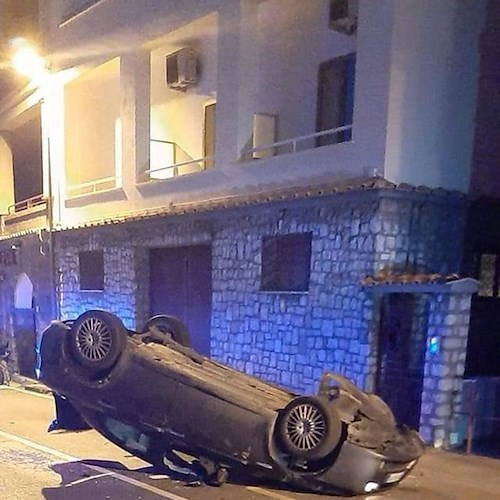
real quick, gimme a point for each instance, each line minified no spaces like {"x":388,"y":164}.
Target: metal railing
{"x":180,"y":163}
{"x":94,"y":186}
{"x":175,"y":168}
{"x":295,"y":141}
{"x":28,"y":204}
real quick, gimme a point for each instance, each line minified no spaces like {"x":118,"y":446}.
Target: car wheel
{"x":96,"y":340}
{"x":170,"y":325}
{"x":308,"y":428}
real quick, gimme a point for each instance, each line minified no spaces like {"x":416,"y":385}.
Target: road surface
{"x":80,"y":465}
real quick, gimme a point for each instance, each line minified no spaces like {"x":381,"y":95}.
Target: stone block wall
{"x":444,"y":365}
{"x":420,"y":233}
{"x":32,"y":257}
{"x":292,"y":338}
{"x":119,"y":294}
{"x":126,"y":265}
{"x":287,"y":338}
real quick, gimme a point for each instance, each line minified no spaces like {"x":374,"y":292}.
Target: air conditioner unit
{"x":344,"y":16}
{"x":181,"y":69}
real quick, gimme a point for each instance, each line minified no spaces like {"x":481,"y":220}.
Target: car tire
{"x":308,"y":428}
{"x":172,"y":325}
{"x":96,"y":340}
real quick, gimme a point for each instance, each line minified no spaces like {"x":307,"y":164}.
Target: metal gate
{"x":401,"y":355}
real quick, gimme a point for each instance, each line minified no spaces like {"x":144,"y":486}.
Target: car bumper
{"x":358,"y":470}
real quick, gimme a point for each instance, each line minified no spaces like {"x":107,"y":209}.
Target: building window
{"x":91,"y":266}
{"x":344,"y":16}
{"x":335,"y":104}
{"x":487,"y":272}
{"x":338,"y":10}
{"x":286,"y":263}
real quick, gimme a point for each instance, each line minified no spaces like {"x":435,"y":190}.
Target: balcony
{"x":29,"y":214}
{"x":94,"y":186}
{"x":323,"y":138}
{"x":169,"y":160}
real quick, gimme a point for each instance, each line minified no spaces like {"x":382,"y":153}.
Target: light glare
{"x":370,"y":487}
{"x":27,"y":62}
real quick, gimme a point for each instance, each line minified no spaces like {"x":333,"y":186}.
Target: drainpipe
{"x":55,"y":309}
{"x":52,"y":253}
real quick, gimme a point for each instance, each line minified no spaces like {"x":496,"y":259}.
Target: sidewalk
{"x":29,"y":384}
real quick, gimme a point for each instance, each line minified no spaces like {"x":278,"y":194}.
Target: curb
{"x":39,"y":388}
{"x":29,"y":384}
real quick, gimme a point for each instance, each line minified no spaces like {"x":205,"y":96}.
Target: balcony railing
{"x":94,"y":186}
{"x":297,"y":143}
{"x":28,"y":204}
{"x":168,"y":160}
{"x":32,"y":213}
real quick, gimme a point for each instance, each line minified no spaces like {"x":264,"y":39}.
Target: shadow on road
{"x":86,"y":479}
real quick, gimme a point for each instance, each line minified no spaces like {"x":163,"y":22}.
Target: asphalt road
{"x":66,"y":465}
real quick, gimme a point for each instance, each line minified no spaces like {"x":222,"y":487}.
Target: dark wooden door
{"x":181,"y":285}
{"x":25,"y":337}
{"x":483,"y":346}
{"x":400,"y":365}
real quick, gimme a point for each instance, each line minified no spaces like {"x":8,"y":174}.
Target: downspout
{"x":55,"y":308}
{"x":52,"y":254}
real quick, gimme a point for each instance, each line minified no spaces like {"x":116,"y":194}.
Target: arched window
{"x":23,"y":295}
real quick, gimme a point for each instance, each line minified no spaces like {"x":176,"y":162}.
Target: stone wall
{"x":292,"y":338}
{"x":32,"y":257}
{"x":444,"y":365}
{"x":287,"y":338}
{"x":419,"y":232}
{"x":126,"y":265}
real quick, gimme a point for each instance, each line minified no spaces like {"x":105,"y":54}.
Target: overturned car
{"x":151,"y":394}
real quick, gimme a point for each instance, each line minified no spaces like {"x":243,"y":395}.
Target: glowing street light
{"x":27,"y":61}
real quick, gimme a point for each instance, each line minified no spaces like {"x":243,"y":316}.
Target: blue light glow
{"x":433,"y":345}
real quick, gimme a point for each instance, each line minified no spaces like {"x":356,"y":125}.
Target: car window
{"x":131,"y":437}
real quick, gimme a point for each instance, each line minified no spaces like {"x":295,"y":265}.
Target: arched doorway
{"x":24,"y":325}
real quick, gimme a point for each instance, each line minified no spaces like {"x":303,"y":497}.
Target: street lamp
{"x":27,"y":61}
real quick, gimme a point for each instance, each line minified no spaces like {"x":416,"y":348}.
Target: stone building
{"x":290,"y":178}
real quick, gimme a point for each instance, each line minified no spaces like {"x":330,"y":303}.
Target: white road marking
{"x":96,"y":468}
{"x":85,"y":479}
